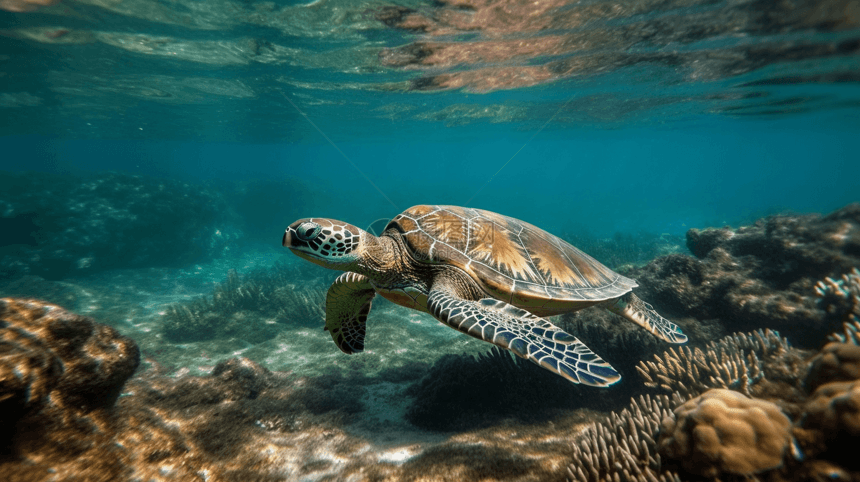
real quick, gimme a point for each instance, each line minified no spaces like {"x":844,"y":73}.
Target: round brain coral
{"x":835,"y":363}
{"x":723,"y":431}
{"x":834,"y":409}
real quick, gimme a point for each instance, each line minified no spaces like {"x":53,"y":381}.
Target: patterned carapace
{"x":513,"y":259}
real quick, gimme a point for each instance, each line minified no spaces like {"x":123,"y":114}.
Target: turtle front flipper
{"x":523,"y":333}
{"x":634,"y":309}
{"x":346,"y":307}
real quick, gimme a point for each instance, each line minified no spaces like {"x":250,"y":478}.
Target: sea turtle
{"x":484,"y":274}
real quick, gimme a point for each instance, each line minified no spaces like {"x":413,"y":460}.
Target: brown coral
{"x":623,"y":448}
{"x":840,"y":299}
{"x":834,"y":409}
{"x":723,"y":431}
{"x":734,"y":362}
{"x":80,"y":363}
{"x":835,"y":362}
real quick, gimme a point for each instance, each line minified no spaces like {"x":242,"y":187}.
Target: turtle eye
{"x":308,"y":231}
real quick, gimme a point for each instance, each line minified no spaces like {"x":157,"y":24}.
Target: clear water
{"x":597,"y":117}
{"x":614,"y":115}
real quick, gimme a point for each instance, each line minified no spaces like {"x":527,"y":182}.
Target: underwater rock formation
{"x":61,"y":412}
{"x":83,"y":225}
{"x":725,"y":432}
{"x":56,"y":366}
{"x":759,"y":276}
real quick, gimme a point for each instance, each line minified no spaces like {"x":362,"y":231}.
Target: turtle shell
{"x":512,"y":260}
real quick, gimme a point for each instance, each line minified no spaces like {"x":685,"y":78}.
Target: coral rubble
{"x":759,"y":276}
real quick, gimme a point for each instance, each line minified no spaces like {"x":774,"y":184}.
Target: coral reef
{"x":624,"y":445}
{"x":249,"y":307}
{"x":840,"y":299}
{"x":834,"y":410}
{"x":55,"y":363}
{"x":735,"y":362}
{"x":835,"y":362}
{"x":725,"y":432}
{"x":759,"y":276}
{"x":242,"y":422}
{"x":777,"y":431}
{"x":83,"y":225}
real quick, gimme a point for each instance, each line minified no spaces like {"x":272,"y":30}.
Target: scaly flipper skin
{"x":346,"y":307}
{"x":523,"y":333}
{"x":634,"y":309}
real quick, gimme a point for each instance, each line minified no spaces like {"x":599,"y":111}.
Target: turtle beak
{"x":287,"y":241}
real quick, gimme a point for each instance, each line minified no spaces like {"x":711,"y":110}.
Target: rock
{"x":57,"y":366}
{"x":759,"y":276}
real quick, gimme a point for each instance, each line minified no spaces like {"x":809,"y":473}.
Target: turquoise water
{"x":153,"y":151}
{"x":618,"y":116}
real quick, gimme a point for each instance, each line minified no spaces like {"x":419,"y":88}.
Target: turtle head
{"x":326,"y":242}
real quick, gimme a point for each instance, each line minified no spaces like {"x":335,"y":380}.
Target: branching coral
{"x":841,"y":300}
{"x":624,"y":447}
{"x":850,"y":334}
{"x":722,"y":431}
{"x":735,"y":362}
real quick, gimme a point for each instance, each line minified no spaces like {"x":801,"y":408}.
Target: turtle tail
{"x":634,"y":309}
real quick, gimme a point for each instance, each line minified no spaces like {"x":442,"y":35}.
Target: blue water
{"x":664,"y":178}
{"x":591,"y":116}
{"x":150,"y":150}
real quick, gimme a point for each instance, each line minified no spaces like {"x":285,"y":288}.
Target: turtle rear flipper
{"x":634,"y":309}
{"x":347,"y":304}
{"x":523,"y":333}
